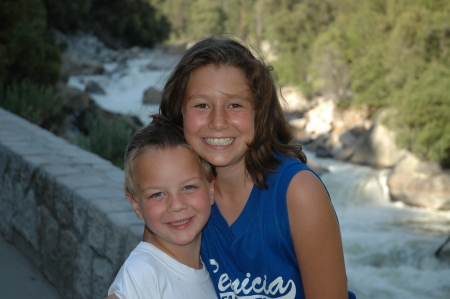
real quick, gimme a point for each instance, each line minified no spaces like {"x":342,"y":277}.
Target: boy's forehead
{"x":180,"y":155}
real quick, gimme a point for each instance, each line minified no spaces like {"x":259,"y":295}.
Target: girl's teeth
{"x":219,"y":141}
{"x":180,"y":223}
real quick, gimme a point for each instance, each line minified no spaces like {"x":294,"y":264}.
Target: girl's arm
{"x":317,"y":239}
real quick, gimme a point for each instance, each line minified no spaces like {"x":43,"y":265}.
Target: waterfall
{"x":389,"y":247}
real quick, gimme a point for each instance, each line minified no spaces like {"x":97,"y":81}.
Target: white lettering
{"x":235,"y":286}
{"x":214,"y":263}
{"x":276,"y":289}
{"x":222,"y":279}
{"x":265,"y":290}
{"x":255,"y":282}
{"x":274,"y":286}
{"x":229,"y":295}
{"x":244,"y":283}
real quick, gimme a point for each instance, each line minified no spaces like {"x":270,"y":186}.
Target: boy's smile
{"x":173,"y":196}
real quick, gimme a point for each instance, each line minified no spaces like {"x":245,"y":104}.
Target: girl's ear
{"x":211,"y":192}
{"x":135,"y":205}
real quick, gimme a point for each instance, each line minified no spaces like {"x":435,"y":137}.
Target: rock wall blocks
{"x":82,"y":180}
{"x":83,"y":273}
{"x":49,"y":228}
{"x":63,"y":203}
{"x":25,"y":219}
{"x":102,"y":277}
{"x":64,"y":208}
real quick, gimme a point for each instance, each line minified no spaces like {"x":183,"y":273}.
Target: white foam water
{"x":125,"y":87}
{"x":389,"y":247}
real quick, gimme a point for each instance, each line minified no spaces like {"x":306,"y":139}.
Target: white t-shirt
{"x":149,"y":273}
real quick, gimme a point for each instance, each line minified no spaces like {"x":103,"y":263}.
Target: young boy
{"x":172,"y":190}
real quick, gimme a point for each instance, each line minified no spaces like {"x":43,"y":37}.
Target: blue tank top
{"x":254,"y":257}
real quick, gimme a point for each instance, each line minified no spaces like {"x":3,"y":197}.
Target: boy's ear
{"x":135,"y":205}
{"x":211,"y":192}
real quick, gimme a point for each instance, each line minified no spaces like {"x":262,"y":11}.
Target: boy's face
{"x":173,"y":195}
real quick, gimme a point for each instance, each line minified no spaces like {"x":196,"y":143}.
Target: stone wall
{"x":64,"y":209}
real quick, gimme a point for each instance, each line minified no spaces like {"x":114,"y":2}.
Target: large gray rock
{"x":75,"y":100}
{"x":377,"y":148}
{"x":422,"y":184}
{"x":94,"y":87}
{"x":73,"y":65}
{"x":152,"y":96}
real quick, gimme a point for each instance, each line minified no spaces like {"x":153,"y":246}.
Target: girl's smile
{"x":218,"y":110}
{"x":219,"y":141}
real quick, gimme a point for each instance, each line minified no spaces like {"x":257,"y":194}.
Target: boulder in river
{"x":419,"y":183}
{"x":94,"y":87}
{"x":152,"y":96}
{"x":73,"y":65}
{"x":377,"y":148}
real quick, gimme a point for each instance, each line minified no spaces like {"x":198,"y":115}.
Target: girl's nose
{"x":218,"y":119}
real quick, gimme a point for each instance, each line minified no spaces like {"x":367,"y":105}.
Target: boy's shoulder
{"x":138,"y":274}
{"x":145,"y":255}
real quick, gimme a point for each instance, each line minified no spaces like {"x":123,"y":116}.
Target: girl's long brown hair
{"x":272,"y":132}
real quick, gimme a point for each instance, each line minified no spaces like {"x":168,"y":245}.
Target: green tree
{"x":207,"y":18}
{"x":133,"y":22}
{"x":292,"y":27}
{"x":423,"y":107}
{"x":28,"y":51}
{"x":178,"y":15}
{"x":68,"y":16}
{"x":240,"y":17}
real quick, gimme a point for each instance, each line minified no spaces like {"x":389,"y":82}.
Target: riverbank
{"x":136,"y":76}
{"x":388,"y":246}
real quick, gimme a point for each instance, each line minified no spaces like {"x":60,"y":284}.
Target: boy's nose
{"x":218,"y":119}
{"x":176,"y":204}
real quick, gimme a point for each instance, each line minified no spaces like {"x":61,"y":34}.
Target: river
{"x":389,"y":247}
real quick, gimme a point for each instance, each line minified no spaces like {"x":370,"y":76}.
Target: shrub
{"x":31,"y":101}
{"x":107,"y":138}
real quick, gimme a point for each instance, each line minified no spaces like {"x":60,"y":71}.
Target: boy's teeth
{"x":219,"y":141}
{"x":180,"y":223}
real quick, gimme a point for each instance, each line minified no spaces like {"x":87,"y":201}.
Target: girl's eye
{"x":201,"y":106}
{"x":235,"y":105}
{"x":155,"y":195}
{"x":189,"y":187}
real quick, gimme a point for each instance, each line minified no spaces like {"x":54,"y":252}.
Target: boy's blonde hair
{"x":158,"y":135}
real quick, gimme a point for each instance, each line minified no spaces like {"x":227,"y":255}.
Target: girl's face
{"x":218,"y":115}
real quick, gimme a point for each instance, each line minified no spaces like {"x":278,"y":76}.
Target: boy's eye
{"x":157,"y":194}
{"x":189,"y":187}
